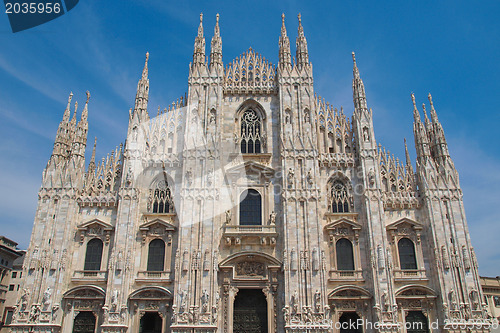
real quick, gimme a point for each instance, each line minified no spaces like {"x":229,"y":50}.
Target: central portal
{"x":250,"y":311}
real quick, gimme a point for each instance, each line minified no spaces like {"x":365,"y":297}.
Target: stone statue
{"x":317,"y":300}
{"x":228,"y":216}
{"x":272,"y":218}
{"x":204,"y":301}
{"x":46,"y":298}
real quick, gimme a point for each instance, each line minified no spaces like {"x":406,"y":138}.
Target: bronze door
{"x":84,"y":322}
{"x":250,"y":312}
{"x":416,"y":322}
{"x":151,"y":322}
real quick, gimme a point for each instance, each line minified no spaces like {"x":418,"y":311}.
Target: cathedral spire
{"x":428,"y":125}
{"x":416,"y":114}
{"x":358,"y":88}
{"x":216,"y":47}
{"x":85,"y":113}
{"x":434,"y":116}
{"x":92,"y":158}
{"x":285,"y":57}
{"x":199,"y":45}
{"x":409,"y":167}
{"x":68,"y":111}
{"x":420,"y":134}
{"x":439,"y":145}
{"x":302,"y":55}
{"x":142,"y":95}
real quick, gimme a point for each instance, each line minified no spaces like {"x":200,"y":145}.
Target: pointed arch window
{"x":251,"y":129}
{"x":407,"y":258}
{"x":93,"y":255}
{"x":161,"y":199}
{"x":250,"y":208}
{"x":156,"y":256}
{"x":339,"y":198}
{"x":345,"y":256}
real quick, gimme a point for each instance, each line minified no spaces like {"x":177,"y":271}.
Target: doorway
{"x":250,"y":311}
{"x":151,"y":322}
{"x":84,"y":322}
{"x":349,"y":323}
{"x":416,"y":322}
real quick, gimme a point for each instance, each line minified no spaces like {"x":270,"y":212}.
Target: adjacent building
{"x":10,"y":267}
{"x":251,"y":204}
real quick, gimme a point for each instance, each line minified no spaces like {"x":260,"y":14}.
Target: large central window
{"x":339,"y":198}
{"x":250,"y":132}
{"x":251,"y":208}
{"x":161,"y":199}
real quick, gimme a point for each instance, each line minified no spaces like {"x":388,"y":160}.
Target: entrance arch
{"x":253,"y":275}
{"x":250,"y":312}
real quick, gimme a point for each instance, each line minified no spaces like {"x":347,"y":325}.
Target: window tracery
{"x":339,"y":199}
{"x":160,"y":199}
{"x":250,"y":132}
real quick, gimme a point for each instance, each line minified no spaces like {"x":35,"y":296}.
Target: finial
{"x":354,"y":57}
{"x":300,"y":18}
{"x":88,"y":97}
{"x":283,"y":18}
{"x":216,"y":28}
{"x":413,"y":100}
{"x":147,"y":56}
{"x":201,"y":18}
{"x":430,"y":100}
{"x":158,"y":111}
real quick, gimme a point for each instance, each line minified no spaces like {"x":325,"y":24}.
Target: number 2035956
{"x":32,"y":8}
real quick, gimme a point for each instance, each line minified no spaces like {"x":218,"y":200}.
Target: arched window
{"x":93,"y":255}
{"x":156,"y":256}
{"x":407,"y":259}
{"x":339,"y":198}
{"x":345,"y":257}
{"x":251,"y":208}
{"x":161,"y":199}
{"x":250,"y":132}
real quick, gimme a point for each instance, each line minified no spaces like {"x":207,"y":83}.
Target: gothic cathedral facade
{"x":250,"y":205}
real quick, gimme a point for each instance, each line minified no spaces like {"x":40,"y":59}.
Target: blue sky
{"x":448,"y":48}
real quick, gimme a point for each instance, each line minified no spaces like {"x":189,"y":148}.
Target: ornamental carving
{"x":250,"y":268}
